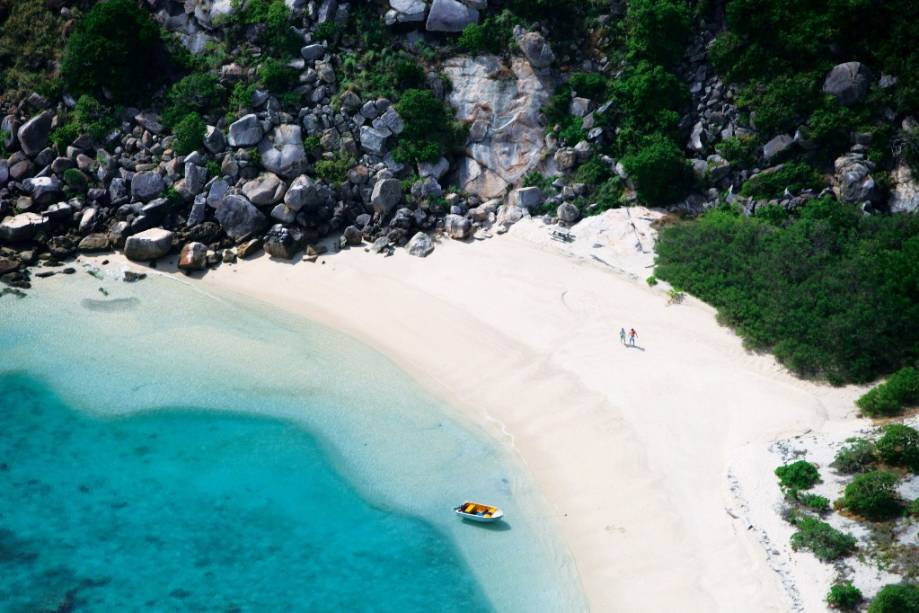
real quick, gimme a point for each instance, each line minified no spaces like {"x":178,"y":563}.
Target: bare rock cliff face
{"x":502,"y":105}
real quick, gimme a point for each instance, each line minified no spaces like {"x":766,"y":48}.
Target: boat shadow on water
{"x":498,"y":526}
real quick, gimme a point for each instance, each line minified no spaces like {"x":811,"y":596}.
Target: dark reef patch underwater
{"x":182,"y":509}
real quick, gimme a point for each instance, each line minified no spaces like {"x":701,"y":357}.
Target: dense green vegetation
{"x":899,"y":446}
{"x":794,"y":177}
{"x":29,"y":40}
{"x":830,"y":291}
{"x":873,"y":495}
{"x":195,"y":93}
{"x":429,"y":132}
{"x":901,"y":390}
{"x":821,"y":539}
{"x":493,"y":35}
{"x":800,"y":475}
{"x":111,"y":46}
{"x":844,"y":596}
{"x":901,"y":598}
{"x":89,"y":116}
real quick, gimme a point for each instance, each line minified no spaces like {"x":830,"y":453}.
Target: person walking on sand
{"x":622,"y":335}
{"x":632,"y":336}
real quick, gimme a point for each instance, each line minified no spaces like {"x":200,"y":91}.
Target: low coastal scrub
{"x":898,"y":598}
{"x":800,"y":475}
{"x":429,"y":131}
{"x":794,"y":177}
{"x":899,"y":446}
{"x":829,"y":290}
{"x":821,"y":539}
{"x":873,"y":495}
{"x":901,"y":390}
{"x":844,"y":597}
{"x":857,"y":455}
{"x":189,"y":133}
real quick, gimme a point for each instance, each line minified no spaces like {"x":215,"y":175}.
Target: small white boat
{"x":479,"y":512}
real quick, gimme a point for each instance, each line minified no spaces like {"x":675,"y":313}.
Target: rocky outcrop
{"x":246,"y":131}
{"x":148,"y":245}
{"x":535,"y":47}
{"x":264,"y":190}
{"x":420,"y":245}
{"x":457,"y":227}
{"x":282,"y":153}
{"x":852,"y":181}
{"x":146,"y":186}
{"x":386,"y":195}
{"x":847,"y":82}
{"x":22,"y":227}
{"x":504,"y":110}
{"x":193,"y":256}
{"x":904,"y":195}
{"x":239,"y":218}
{"x":33,"y":134}
{"x":450,"y":16}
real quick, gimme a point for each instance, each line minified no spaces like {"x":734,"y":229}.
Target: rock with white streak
{"x":22,"y":227}
{"x":33,"y":135}
{"x":246,"y":131}
{"x":450,"y":16}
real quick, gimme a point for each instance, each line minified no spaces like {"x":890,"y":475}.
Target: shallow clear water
{"x":201,"y":511}
{"x":161,"y":449}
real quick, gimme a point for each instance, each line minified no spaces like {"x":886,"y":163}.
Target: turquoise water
{"x":162,"y":449}
{"x":200,"y":511}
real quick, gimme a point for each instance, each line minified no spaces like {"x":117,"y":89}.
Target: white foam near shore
{"x":636,"y":450}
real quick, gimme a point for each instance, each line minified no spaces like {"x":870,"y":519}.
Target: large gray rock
{"x":420,"y":245}
{"x":450,"y":16}
{"x":148,"y":245}
{"x":568,"y":213}
{"x":852,"y":181}
{"x":146,"y":186}
{"x":535,"y":48}
{"x":245,"y":131}
{"x":44,"y":190}
{"x":457,"y":227}
{"x":33,"y":134}
{"x":302,"y":193}
{"x":777,"y":146}
{"x":9,"y":126}
{"x":313,"y":52}
{"x":527,"y":198}
{"x":22,"y":227}
{"x":265,"y":189}
{"x":193,"y":256}
{"x":239,"y":218}
{"x":904,"y":195}
{"x":216,"y":193}
{"x":509,"y":106}
{"x":374,"y":140}
{"x":282,"y":153}
{"x":408,"y":11}
{"x":385,"y":196}
{"x":848,"y":82}
{"x":283,"y":243}
{"x":214,"y":139}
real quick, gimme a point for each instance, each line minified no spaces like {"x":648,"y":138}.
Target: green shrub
{"x":537,"y":179}
{"x":607,"y":196}
{"x":89,"y":116}
{"x":659,"y":170}
{"x":741,"y":151}
{"x":493,"y":35}
{"x":891,"y":397}
{"x":780,"y":103}
{"x":334,"y":171}
{"x":896,"y":598}
{"x":651,"y":281}
{"x":820,"y":504}
{"x":794,"y":176}
{"x":429,"y":130}
{"x":75,"y":180}
{"x":857,"y":456}
{"x":277,"y":77}
{"x":830,"y":291}
{"x":844,"y":596}
{"x":196,"y":93}
{"x":899,"y":446}
{"x":589,"y":85}
{"x":873,"y":495}
{"x":115,"y":47}
{"x":240,"y":100}
{"x":648,"y":100}
{"x":593,"y":172}
{"x":189,"y":133}
{"x":658,"y":30}
{"x":800,"y":475}
{"x":913,"y":508}
{"x":821,"y":539}
{"x":384,"y":73}
{"x":327,"y":31}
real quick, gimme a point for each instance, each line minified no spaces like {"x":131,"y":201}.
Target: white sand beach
{"x":632,"y":448}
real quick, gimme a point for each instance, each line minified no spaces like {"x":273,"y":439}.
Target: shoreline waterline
{"x":385,"y":411}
